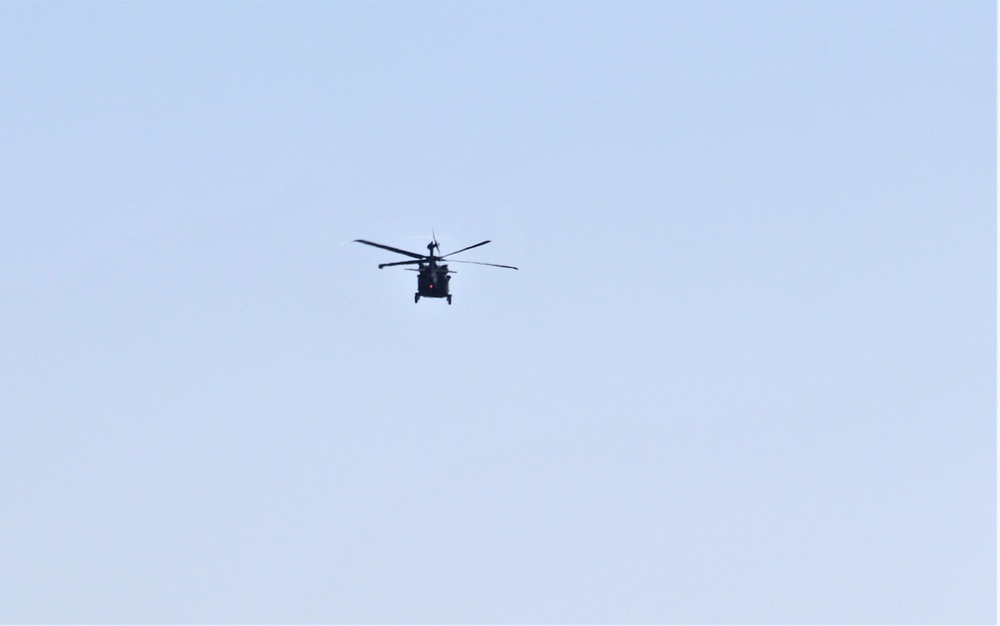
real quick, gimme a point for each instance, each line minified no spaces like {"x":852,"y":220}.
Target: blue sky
{"x":746,"y":373}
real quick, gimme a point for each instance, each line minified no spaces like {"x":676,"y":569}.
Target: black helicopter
{"x":432,"y":277}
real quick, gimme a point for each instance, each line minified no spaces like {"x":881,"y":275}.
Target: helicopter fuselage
{"x":432,"y":282}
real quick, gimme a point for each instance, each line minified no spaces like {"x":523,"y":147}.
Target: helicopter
{"x":432,"y":276}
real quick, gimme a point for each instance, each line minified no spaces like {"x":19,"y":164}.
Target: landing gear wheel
{"x":449,"y":300}
{"x":416,"y":298}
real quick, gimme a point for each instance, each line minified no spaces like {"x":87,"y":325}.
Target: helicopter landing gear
{"x":416,"y":298}
{"x":449,"y":300}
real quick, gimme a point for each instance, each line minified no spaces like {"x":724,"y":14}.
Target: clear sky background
{"x":747,"y":372}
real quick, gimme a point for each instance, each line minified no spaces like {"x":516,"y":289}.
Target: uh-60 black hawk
{"x":432,"y":276}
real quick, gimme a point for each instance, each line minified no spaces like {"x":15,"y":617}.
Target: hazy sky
{"x":747,"y":372}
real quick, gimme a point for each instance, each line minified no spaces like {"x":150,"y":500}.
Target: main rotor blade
{"x":510,"y":267}
{"x":381,"y":265}
{"x":481,"y":243}
{"x":391,"y":249}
